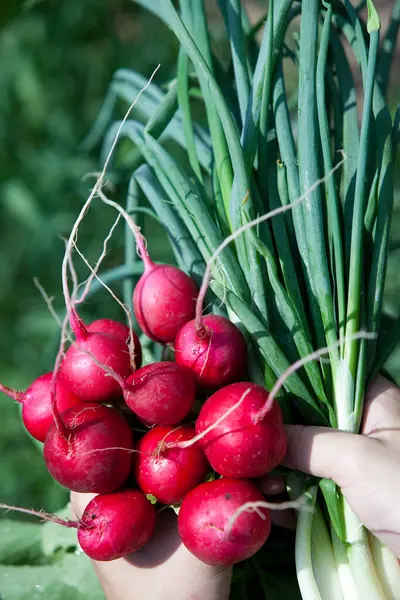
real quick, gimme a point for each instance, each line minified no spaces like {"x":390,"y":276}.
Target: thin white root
{"x":48,"y":300}
{"x":93,"y":270}
{"x":196,"y":438}
{"x":125,"y":308}
{"x":66,"y":261}
{"x":299,"y":504}
{"x":140,"y":240}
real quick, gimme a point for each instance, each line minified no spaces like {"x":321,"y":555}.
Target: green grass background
{"x":56,"y":60}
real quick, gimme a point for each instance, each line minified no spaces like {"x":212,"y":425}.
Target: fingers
{"x":381,"y":417}
{"x":326,"y":452}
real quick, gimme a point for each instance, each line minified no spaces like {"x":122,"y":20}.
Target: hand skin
{"x":162,"y":570}
{"x":366,"y":467}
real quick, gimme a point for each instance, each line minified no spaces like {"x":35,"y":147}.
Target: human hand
{"x":366,"y":467}
{"x":162,"y":570}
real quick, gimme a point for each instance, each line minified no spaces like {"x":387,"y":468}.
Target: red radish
{"x":241,"y":444}
{"x":215,"y":350}
{"x":112,"y":525}
{"x":83,"y":376}
{"x":118,"y":330}
{"x":164,"y":299}
{"x":37,"y":414}
{"x":115,"y":525}
{"x":205,"y":516}
{"x":168,"y":474}
{"x":89,"y":449}
{"x":161,"y":393}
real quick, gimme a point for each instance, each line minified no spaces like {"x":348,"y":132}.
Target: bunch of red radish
{"x":86,"y":413}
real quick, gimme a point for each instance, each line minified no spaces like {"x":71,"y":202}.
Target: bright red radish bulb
{"x":118,"y":330}
{"x":80,"y":372}
{"x":240,"y":445}
{"x":37,"y":414}
{"x":215,"y":351}
{"x":115,"y":525}
{"x":168,"y":473}
{"x":164,"y":299}
{"x":92,"y":452}
{"x":161,"y":393}
{"x":205,"y":522}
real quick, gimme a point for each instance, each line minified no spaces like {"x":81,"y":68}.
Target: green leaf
{"x":334,"y":505}
{"x":309,"y":171}
{"x":21,"y":542}
{"x":70,"y":578}
{"x":152,"y":499}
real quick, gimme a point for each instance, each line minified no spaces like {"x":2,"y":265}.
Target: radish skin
{"x":93,"y":450}
{"x":215,"y":351}
{"x":240,"y":445}
{"x":120,"y":331}
{"x":164,"y":300}
{"x":161,"y":393}
{"x":204,"y":517}
{"x":168,"y":473}
{"x":115,"y":525}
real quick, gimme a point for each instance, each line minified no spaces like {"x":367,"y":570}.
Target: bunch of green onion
{"x":257,"y":130}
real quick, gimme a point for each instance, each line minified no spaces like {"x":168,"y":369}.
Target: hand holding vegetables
{"x":365,"y":467}
{"x":163,"y":568}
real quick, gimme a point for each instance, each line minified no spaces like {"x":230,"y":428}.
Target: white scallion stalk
{"x":387,"y":568}
{"x":344,"y":395}
{"x":304,"y":568}
{"x":323,"y":560}
{"x":360,"y":559}
{"x":345,"y":574}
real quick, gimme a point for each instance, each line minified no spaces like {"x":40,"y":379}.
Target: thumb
{"x":326,"y":452}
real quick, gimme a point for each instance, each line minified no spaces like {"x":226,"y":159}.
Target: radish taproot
{"x":89,"y":449}
{"x":115,"y":525}
{"x":161,"y":393}
{"x":164,"y":299}
{"x":118,"y":330}
{"x":205,"y":522}
{"x":240,"y":444}
{"x":37,"y":415}
{"x":215,"y":350}
{"x":168,"y":474}
{"x":82,"y":375}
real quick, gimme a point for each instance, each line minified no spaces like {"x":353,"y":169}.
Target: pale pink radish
{"x":206,"y":524}
{"x":161,"y":393}
{"x":37,"y":414}
{"x":89,"y":449}
{"x":168,"y":474}
{"x":214,"y":349}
